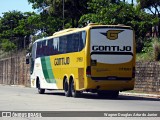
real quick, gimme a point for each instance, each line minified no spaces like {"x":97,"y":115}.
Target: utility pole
{"x":132,"y":2}
{"x":24,"y":42}
{"x":11,"y":69}
{"x":11,"y":21}
{"x":63,"y":14}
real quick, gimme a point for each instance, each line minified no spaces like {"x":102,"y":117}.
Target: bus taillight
{"x":88,"y":71}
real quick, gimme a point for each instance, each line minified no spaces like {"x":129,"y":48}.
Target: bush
{"x":150,"y":50}
{"x":156,"y":49}
{"x":7,"y":45}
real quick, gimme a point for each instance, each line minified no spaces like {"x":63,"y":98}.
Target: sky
{"x":10,"y":5}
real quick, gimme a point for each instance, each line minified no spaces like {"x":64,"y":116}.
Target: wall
{"x":17,"y":73}
{"x":148,"y":77}
{"x":14,"y":71}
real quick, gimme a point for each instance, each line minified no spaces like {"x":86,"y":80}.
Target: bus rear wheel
{"x":74,"y":93}
{"x":40,"y":90}
{"x":67,"y":90}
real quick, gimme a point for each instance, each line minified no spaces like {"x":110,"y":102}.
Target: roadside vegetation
{"x":18,"y":30}
{"x":150,"y":51}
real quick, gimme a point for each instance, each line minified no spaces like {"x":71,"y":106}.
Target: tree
{"x":151,"y":5}
{"x":7,"y":45}
{"x":73,"y":9}
{"x":9,"y":22}
{"x":15,"y":27}
{"x":122,"y":13}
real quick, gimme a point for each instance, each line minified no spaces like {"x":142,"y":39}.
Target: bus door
{"x":111,"y":51}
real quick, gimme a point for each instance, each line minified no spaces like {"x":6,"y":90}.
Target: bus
{"x":96,"y":58}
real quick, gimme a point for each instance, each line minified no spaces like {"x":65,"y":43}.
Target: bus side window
{"x":69,"y":43}
{"x":38,"y":50}
{"x":44,"y":48}
{"x":82,"y":40}
{"x":56,"y":46}
{"x":50,"y":47}
{"x":63,"y":44}
{"x":76,"y":42}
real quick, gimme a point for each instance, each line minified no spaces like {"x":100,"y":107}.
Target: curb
{"x":141,"y":95}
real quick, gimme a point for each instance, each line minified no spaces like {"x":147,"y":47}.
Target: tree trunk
{"x":76,"y":22}
{"x":73,"y":23}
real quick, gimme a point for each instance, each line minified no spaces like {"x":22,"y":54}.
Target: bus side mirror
{"x":28,"y":58}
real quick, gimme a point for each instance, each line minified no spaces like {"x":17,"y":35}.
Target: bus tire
{"x":67,"y":90}
{"x":74,"y":93}
{"x":40,"y":90}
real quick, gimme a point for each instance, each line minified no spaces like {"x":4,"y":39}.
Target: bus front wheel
{"x":40,"y":90}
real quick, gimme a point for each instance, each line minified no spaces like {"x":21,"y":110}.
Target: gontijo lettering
{"x":111,"y":48}
{"x":62,"y":61}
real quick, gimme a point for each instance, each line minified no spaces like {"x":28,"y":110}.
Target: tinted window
{"x":60,"y":45}
{"x":76,"y":42}
{"x":39,"y":49}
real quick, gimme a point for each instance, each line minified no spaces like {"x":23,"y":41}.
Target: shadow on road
{"x":55,"y":93}
{"x":95,"y":96}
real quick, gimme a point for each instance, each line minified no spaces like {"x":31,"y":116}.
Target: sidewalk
{"x":140,"y":95}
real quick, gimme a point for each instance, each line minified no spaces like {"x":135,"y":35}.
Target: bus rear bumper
{"x":118,"y":85}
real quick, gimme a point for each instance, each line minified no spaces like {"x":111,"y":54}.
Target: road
{"x":16,"y":98}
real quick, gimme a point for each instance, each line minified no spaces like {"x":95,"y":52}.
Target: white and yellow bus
{"x":96,"y":58}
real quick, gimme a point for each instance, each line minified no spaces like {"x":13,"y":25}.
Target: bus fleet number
{"x":79,"y":59}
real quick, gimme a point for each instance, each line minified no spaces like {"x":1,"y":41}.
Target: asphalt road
{"x":16,"y":98}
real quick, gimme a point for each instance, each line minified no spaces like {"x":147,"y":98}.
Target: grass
{"x":144,"y":57}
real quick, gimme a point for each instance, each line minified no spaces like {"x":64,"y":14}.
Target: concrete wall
{"x":14,"y":71}
{"x":148,"y":77}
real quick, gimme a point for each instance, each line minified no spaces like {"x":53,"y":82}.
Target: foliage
{"x":150,"y":4}
{"x":148,"y":46}
{"x":7,"y":45}
{"x":16,"y":26}
{"x":150,"y":51}
{"x":153,"y":6}
{"x":156,"y":49}
{"x":73,"y":9}
{"x":105,"y":13}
